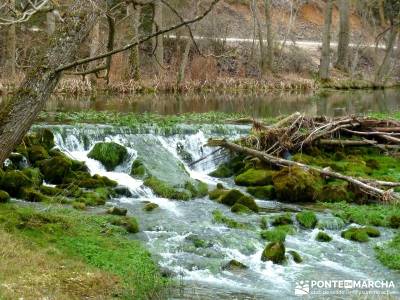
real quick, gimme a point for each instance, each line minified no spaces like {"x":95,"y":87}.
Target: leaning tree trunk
{"x":326,"y":42}
{"x":383,"y":69}
{"x":270,"y":45}
{"x":342,"y":62}
{"x":11,"y":47}
{"x":20,"y":112}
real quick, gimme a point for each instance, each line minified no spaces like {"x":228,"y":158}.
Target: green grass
{"x":389,"y":253}
{"x":278,"y":234}
{"x":374,"y":214}
{"x":91,"y":238}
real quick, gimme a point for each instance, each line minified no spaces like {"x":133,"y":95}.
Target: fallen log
{"x":383,"y":195}
{"x":340,"y":142}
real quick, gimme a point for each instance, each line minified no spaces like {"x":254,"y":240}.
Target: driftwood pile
{"x":291,"y":135}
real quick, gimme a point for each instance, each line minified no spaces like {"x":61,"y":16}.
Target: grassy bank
{"x":66,"y":254}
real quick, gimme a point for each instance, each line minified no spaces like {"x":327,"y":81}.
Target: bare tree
{"x":10,"y":15}
{"x":133,"y":12}
{"x":11,"y":46}
{"x":342,"y":62}
{"x":158,"y":41}
{"x":270,"y":46}
{"x":326,"y":42}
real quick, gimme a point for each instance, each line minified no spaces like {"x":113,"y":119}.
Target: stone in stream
{"x":121,"y":190}
{"x":150,"y":206}
{"x":323,"y":237}
{"x":266,"y":192}
{"x":307,"y":219}
{"x":234,"y":265}
{"x":275,"y":252}
{"x":118,"y":211}
{"x":162,"y":172}
{"x":283,"y":219}
{"x":360,"y":234}
{"x":4,"y":197}
{"x":13,"y":182}
{"x":296,"y":256}
{"x":255,"y":177}
{"x":109,"y":154}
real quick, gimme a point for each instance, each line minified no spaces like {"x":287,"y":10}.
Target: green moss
{"x":234,"y":265}
{"x":117,"y":211}
{"x":283,"y":219}
{"x":372,"y":231}
{"x":37,"y":153}
{"x":336,"y":191}
{"x":217,"y":194}
{"x":323,"y":237}
{"x":55,"y":169}
{"x":277,"y":234}
{"x":275,"y":252}
{"x":264,"y":222}
{"x":4,"y":197}
{"x":218,"y":217}
{"x":240,"y":209}
{"x":296,"y":185}
{"x":249,"y":203}
{"x":307,"y":219}
{"x":92,"y":199}
{"x":266,"y":192}
{"x":45,"y":138}
{"x":109,"y":154}
{"x":254,"y":177}
{"x":13,"y":182}
{"x":394,"y":221}
{"x":162,"y":189}
{"x":138,"y":169}
{"x":197,"y":241}
{"x":150,"y":206}
{"x":360,"y":234}
{"x":33,"y":195}
{"x":197,"y":188}
{"x":296,"y":256}
{"x":130,"y":224}
{"x":79,"y":205}
{"x":389,"y":253}
{"x":231,"y":197}
{"x":223,"y":171}
{"x":34,"y":175}
{"x":50,"y":191}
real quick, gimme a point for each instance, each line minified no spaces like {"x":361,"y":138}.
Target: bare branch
{"x":14,"y":17}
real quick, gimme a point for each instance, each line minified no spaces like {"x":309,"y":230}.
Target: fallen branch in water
{"x":369,"y":188}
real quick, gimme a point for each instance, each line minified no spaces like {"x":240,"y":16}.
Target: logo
{"x":302,"y":288}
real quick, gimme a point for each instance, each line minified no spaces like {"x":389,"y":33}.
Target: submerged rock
{"x":150,"y":206}
{"x":323,"y":237}
{"x":296,"y":256}
{"x":240,"y":209}
{"x":360,"y":234}
{"x":284,"y":219}
{"x":275,"y":252}
{"x":223,"y":171}
{"x":123,"y":191}
{"x":234,"y":265}
{"x":255,"y":177}
{"x":118,"y":211}
{"x":307,"y":219}
{"x":296,"y":185}
{"x":109,"y":154}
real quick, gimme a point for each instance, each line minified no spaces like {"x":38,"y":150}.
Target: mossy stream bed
{"x":211,"y":252}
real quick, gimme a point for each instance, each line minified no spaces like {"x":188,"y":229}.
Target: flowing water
{"x":169,"y":231}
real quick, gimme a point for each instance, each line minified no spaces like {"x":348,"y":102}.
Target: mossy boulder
{"x":109,"y":154}
{"x":130,"y":224}
{"x":96,"y":181}
{"x":296,"y":256}
{"x":37,"y":153}
{"x":255,"y":177}
{"x":123,"y":191}
{"x":219,"y":217}
{"x":231,"y":197}
{"x":4,"y":197}
{"x":336,"y":191}
{"x":55,"y":169}
{"x":45,"y":138}
{"x":240,"y":209}
{"x":13,"y":182}
{"x":78,"y":205}
{"x":361,"y":234}
{"x":248,"y":202}
{"x":296,"y":185}
{"x":323,"y":237}
{"x":278,"y":234}
{"x":92,"y":198}
{"x":307,"y":219}
{"x":164,"y":190}
{"x":150,"y":206}
{"x":275,"y":252}
{"x":394,"y":221}
{"x":32,"y":195}
{"x":266,"y":192}
{"x":34,"y":175}
{"x":264,"y":222}
{"x":223,"y":171}
{"x":234,"y":265}
{"x":117,"y":211}
{"x":283,"y":219}
{"x":217,"y":194}
{"x":138,"y":169}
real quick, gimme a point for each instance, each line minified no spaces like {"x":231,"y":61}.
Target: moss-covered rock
{"x":248,"y":202}
{"x":37,"y":153}
{"x":234,"y":265}
{"x":275,"y":252}
{"x":266,"y":192}
{"x":138,"y":169}
{"x":307,"y":219}
{"x":109,"y":154}
{"x":13,"y":182}
{"x":117,"y":211}
{"x":394,"y":221}
{"x":78,"y":205}
{"x":4,"y":197}
{"x":217,"y":194}
{"x":162,"y":189}
{"x":355,"y":234}
{"x":264,"y":222}
{"x":283,"y":219}
{"x":55,"y":169}
{"x":45,"y":137}
{"x":223,"y":171}
{"x":323,"y":237}
{"x":255,"y":177}
{"x":296,"y":185}
{"x":32,"y":195}
{"x":197,"y":241}
{"x":372,"y":231}
{"x":231,"y":197}
{"x":34,"y":175}
{"x":150,"y":206}
{"x":240,"y":209}
{"x":296,"y":256}
{"x":96,"y":181}
{"x":278,"y":234}
{"x":92,"y":198}
{"x":122,"y":191}
{"x":336,"y":191}
{"x":219,"y":217}
{"x":130,"y":224}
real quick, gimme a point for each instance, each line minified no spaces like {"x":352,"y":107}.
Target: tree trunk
{"x":344,"y":36}
{"x":263,"y":63}
{"x":270,"y":42}
{"x":94,"y":49}
{"x":20,"y":112}
{"x":11,"y":48}
{"x":326,"y":42}
{"x":384,"y":68}
{"x":51,"y":22}
{"x":158,"y":42}
{"x":182,"y":67}
{"x":134,"y":55}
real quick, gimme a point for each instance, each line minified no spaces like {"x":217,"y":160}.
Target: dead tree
{"x":326,"y":43}
{"x":342,"y":62}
